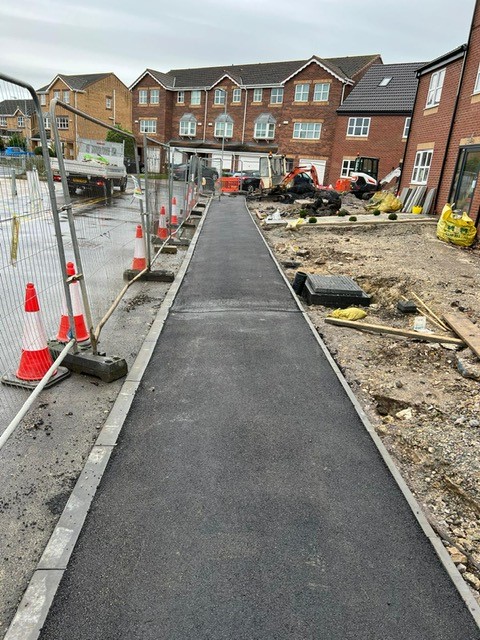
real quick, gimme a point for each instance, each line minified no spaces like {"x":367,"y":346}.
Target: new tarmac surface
{"x":245,"y":498}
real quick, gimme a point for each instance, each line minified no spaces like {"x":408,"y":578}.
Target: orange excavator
{"x":275,"y":180}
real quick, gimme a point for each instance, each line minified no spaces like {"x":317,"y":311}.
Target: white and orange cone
{"x":162,"y":231}
{"x":139,"y":260}
{"x":174,"y":218}
{"x":81,"y":332}
{"x":36,"y":359}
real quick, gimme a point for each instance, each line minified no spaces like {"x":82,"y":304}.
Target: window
{"x":421,"y":167}
{"x":264,"y":127}
{"x":188,"y":125}
{"x":20,"y":122}
{"x":476,"y":89}
{"x":406,"y":127}
{"x":321,"y":92}
{"x":257,"y":95}
{"x":148,"y":126}
{"x":435,"y":90}
{"x":108,"y":103}
{"x":307,"y":130}
{"x":301,"y":92}
{"x":62,"y":122}
{"x":358,"y":127}
{"x":384,"y":82}
{"x":196,"y":97}
{"x":154,"y":96}
{"x":223,"y":126}
{"x":43,"y":99}
{"x":143,"y":96}
{"x":466,"y":178}
{"x":237,"y":96}
{"x":56,"y":94}
{"x":276,"y":95}
{"x":219,"y":97}
{"x":347,"y":167}
{"x":66,"y":97}
{"x":180,"y":97}
{"x":46,"y":120}
{"x":3,"y":122}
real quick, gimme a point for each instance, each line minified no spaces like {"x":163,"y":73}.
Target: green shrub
{"x":343,"y":212}
{"x":312,"y":220}
{"x":302,"y":213}
{"x":392,"y":216}
{"x":376,"y":212}
{"x":352,"y":219}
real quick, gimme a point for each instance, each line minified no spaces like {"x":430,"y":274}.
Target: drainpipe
{"x":454,"y":114}
{"x":205,"y":116}
{"x":244,"y":116}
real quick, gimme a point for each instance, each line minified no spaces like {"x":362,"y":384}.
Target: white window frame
{"x":66,"y":97}
{"x":435,"y":89}
{"x":56,"y":94}
{"x":220,"y":96}
{"x":301,"y":92}
{"x":143,"y":96}
{"x":21,"y":122}
{"x":43,"y":99}
{"x":154,"y":96}
{"x":321,"y":92}
{"x":307,"y":130}
{"x":188,"y":128}
{"x":348,"y":165}
{"x":196,"y":97}
{"x":276,"y":95}
{"x":46,"y":120}
{"x":237,"y":96}
{"x":3,"y":122}
{"x":358,"y":127}
{"x":222,"y":126}
{"x":62,"y":122}
{"x":264,"y":131}
{"x":148,"y":125}
{"x":257,"y":95}
{"x":421,"y":166}
{"x":406,"y":126}
{"x":108,"y":102}
{"x":476,"y":88}
{"x":180,"y":97}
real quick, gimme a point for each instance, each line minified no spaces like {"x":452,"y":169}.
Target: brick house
{"x":240,"y":112}
{"x":374,"y":119}
{"x":16,"y":117}
{"x":101,"y":95}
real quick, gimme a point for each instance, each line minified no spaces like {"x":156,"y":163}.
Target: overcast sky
{"x":41,"y":38}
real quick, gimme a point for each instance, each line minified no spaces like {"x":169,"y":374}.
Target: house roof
{"x":76,"y":83}
{"x":395,"y":96}
{"x":257,"y":74}
{"x":442,"y":60}
{"x":11,"y":107}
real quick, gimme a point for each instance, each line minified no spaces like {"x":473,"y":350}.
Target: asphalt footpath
{"x":245,"y":498}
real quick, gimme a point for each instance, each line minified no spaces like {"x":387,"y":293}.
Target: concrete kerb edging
{"x":442,"y":553}
{"x":38,"y":597}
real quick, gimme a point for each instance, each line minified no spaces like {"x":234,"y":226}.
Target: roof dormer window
{"x":385,"y":81}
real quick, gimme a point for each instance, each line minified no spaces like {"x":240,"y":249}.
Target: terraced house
{"x":248,"y":110}
{"x":16,"y":118}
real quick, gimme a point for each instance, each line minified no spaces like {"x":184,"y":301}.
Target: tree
{"x":118,"y":136}
{"x":17,"y":140}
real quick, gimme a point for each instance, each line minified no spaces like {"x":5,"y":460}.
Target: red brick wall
{"x":384,"y":141}
{"x":160,"y":112}
{"x":430,"y":127}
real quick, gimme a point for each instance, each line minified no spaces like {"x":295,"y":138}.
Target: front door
{"x":466,"y":178}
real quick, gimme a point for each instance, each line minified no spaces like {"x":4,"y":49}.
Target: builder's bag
{"x":456,"y":228}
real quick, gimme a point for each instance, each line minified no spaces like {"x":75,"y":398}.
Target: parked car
{"x":180,"y":172}
{"x":16,"y":152}
{"x":250,"y":180}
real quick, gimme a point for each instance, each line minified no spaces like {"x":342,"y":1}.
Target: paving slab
{"x":245,"y":499}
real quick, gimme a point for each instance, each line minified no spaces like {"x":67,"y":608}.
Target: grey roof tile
{"x":78,"y":82}
{"x":397,"y":96}
{"x":9,"y":107}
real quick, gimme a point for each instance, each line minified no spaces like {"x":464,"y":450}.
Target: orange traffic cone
{"x":64,"y":332}
{"x":162,"y":232}
{"x":36,"y":359}
{"x":174,"y":218}
{"x":139,"y":260}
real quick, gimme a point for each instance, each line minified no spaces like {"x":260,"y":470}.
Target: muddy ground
{"x":425,"y":410}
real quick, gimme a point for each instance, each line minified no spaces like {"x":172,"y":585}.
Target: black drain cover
{"x":334,"y":291}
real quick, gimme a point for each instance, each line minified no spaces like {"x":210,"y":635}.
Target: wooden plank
{"x":466,"y":330}
{"x":406,"y":333}
{"x":427,"y":205}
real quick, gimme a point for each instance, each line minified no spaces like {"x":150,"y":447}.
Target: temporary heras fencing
{"x":68,"y":245}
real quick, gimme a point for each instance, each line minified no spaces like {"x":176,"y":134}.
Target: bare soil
{"x":425,"y":410}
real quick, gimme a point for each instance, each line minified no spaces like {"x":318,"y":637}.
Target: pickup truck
{"x":99,"y":167}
